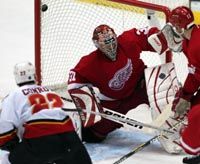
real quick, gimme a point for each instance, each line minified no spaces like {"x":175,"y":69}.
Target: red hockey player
{"x":182,"y":20}
{"x":33,"y":127}
{"x":116,"y":69}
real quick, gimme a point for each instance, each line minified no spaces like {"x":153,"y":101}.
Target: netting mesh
{"x":67,"y":26}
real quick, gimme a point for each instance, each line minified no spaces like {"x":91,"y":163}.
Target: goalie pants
{"x":54,"y":149}
{"x":103,"y":127}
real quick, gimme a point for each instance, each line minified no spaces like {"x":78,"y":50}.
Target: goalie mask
{"x":24,"y":72}
{"x":105,"y":40}
{"x":182,"y":19}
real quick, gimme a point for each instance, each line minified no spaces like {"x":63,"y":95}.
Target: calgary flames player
{"x":33,"y":127}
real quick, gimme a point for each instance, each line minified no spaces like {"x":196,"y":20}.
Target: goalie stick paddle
{"x":159,"y":121}
{"x":122,"y":120}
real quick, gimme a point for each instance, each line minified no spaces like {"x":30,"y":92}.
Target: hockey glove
{"x":165,"y":40}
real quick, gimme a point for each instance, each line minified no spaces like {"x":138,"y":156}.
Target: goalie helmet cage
{"x":63,"y":31}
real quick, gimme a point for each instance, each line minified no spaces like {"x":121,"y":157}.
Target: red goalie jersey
{"x":115,"y":79}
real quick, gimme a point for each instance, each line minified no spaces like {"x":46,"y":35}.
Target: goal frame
{"x":37,"y":16}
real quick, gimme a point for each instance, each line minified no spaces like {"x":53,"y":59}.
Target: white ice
{"x":122,"y":141}
{"x":17,"y":44}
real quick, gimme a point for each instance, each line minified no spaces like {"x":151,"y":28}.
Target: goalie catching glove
{"x":166,"y":39}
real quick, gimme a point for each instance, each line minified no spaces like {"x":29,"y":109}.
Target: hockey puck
{"x":44,"y":7}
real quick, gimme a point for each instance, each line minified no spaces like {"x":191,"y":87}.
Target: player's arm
{"x":8,"y":111}
{"x":138,"y":37}
{"x":75,"y":80}
{"x":8,"y":136}
{"x":181,"y":103}
{"x":9,"y":122}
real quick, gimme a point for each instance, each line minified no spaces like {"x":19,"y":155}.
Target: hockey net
{"x":63,"y":32}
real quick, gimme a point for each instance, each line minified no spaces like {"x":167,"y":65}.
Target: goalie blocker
{"x":84,"y":99}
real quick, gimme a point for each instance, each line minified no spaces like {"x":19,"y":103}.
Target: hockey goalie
{"x":162,"y":84}
{"x":118,"y":74}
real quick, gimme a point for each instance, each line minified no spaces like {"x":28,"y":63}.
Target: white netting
{"x":67,"y":26}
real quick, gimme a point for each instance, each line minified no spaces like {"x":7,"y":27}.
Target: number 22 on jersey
{"x":47,"y":101}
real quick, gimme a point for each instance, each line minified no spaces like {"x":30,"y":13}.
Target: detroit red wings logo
{"x":121,"y":76}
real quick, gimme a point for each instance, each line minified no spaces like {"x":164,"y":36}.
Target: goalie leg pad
{"x":84,"y":99}
{"x":162,"y":84}
{"x":170,"y":142}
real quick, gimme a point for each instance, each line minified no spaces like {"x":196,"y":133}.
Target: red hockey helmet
{"x":105,"y":40}
{"x":182,"y":18}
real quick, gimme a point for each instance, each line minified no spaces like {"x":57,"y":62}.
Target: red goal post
{"x":63,"y":30}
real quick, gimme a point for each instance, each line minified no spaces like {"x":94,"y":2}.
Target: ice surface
{"x":122,"y":141}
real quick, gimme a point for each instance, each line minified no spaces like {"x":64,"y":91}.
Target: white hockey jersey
{"x":32,"y":111}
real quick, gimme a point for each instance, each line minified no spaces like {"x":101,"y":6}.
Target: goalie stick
{"x":161,"y":119}
{"x":122,"y":119}
{"x":158,"y":122}
{"x":143,"y":145}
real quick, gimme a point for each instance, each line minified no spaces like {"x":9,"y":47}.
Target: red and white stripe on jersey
{"x":44,"y":127}
{"x":7,"y":132}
